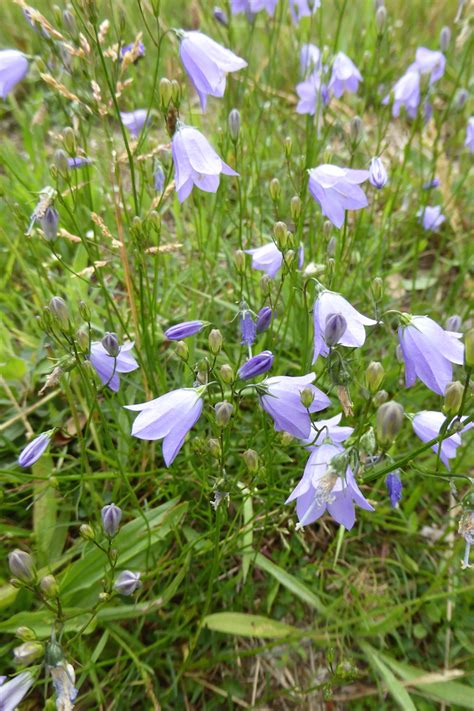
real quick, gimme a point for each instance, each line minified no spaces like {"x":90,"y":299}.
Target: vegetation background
{"x":379,"y":617}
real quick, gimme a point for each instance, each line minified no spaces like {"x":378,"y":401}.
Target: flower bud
{"x":49,"y":223}
{"x":381,"y":18}
{"x":256,"y":365}
{"x":394,"y":487}
{"x":377,"y":173}
{"x":453,"y":396}
{"x":336,"y":326}
{"x":290,"y":256}
{"x":221,"y":16}
{"x":175,"y":92}
{"x":239,"y":260}
{"x":264,"y":319}
{"x":111,"y":516}
{"x":87,"y":532}
{"x":21,"y":565}
{"x":266,"y":284}
{"x":111,"y":344}
{"x":127,"y":582}
{"x":331,"y":248}
{"x":215,"y":341}
{"x":59,"y":312}
{"x":469,"y":348}
{"x":60,"y":161}
{"x":214,"y":447}
{"x":233,"y":123}
{"x":307,"y":396}
{"x":182,"y":350}
{"x":389,"y":421}
{"x":295,"y":207}
{"x":460,"y":99}
{"x":444,"y":38}
{"x":380,"y":398}
{"x":377,"y":288}
{"x":28,"y":652}
{"x":166,"y":91}
{"x":226,"y":373}
{"x":69,"y":22}
{"x":49,"y":586}
{"x":367,"y":442}
{"x":26,"y":634}
{"x":374,"y":376}
{"x":251,"y":459}
{"x":223,"y":411}
{"x":54,"y":654}
{"x":357,"y":128}
{"x":453,"y":323}
{"x":286,"y":438}
{"x":280,"y":231}
{"x":84,"y":311}
{"x":275,"y":189}
{"x":69,"y":140}
{"x":82,"y":337}
{"x":288,"y":143}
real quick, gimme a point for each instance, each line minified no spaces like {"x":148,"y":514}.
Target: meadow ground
{"x":197,"y":586}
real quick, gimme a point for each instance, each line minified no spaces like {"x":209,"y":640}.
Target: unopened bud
{"x":377,"y":288}
{"x":111,"y":516}
{"x":215,"y":341}
{"x":28,"y":652}
{"x":453,"y":323}
{"x":389,"y":421}
{"x":469,"y":348}
{"x":367,"y":442}
{"x":26,"y":634}
{"x":336,"y":326}
{"x":444,"y":38}
{"x":82,"y":337}
{"x":460,"y":99}
{"x":327,"y":228}
{"x":233,"y":122}
{"x":374,"y":376}
{"x":166,"y":91}
{"x":21,"y":565}
{"x":87,"y":532}
{"x":69,"y":140}
{"x":226,"y":373}
{"x":266,"y":284}
{"x":60,"y":161}
{"x":84,"y":311}
{"x":307,"y":396}
{"x":275,"y":189}
{"x":49,"y":586}
{"x":182,"y":350}
{"x":59,"y":312}
{"x":380,"y":398}
{"x":288,"y":146}
{"x":214,"y":447}
{"x":295,"y":207}
{"x":239,"y":260}
{"x":331,"y":248}
{"x":221,"y":16}
{"x":69,"y":22}
{"x":381,"y":18}
{"x":111,"y":344}
{"x":453,"y":396}
{"x":223,"y":411}
{"x":357,"y":128}
{"x":280,"y":232}
{"x":49,"y":223}
{"x":286,"y":438}
{"x":251,"y":459}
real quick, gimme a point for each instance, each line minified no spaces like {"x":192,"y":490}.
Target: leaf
{"x":243,"y":625}
{"x":12,"y":368}
{"x":247,"y":536}
{"x":394,"y":686}
{"x":41,"y":621}
{"x":451,"y":692}
{"x":45,"y":510}
{"x":290,"y":582}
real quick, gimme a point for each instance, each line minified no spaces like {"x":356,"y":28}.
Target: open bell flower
{"x":13,"y":691}
{"x":323,"y":431}
{"x":168,"y":417}
{"x":282,"y":401}
{"x":429,"y":61}
{"x":207,"y":63}
{"x":431,"y":217}
{"x":322,"y":489}
{"x":13,"y":68}
{"x":108,"y":366}
{"x":329,"y":304}
{"x":303,"y":8}
{"x":344,"y":76}
{"x":134,"y":120}
{"x":336,"y":190}
{"x":310,"y":58}
{"x":311,"y":92}
{"x":266,"y":259}
{"x":427,"y":425}
{"x":406,"y":92}
{"x":251,"y":7}
{"x":195,"y":162}
{"x":429,"y":353}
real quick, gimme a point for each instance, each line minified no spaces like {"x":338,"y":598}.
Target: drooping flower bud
{"x":111,"y":516}
{"x":469,"y":348}
{"x":444,"y":38}
{"x":389,"y":421}
{"x":185,"y":329}
{"x":21,"y":565}
{"x":251,"y":459}
{"x":264,"y":319}
{"x":374,"y":376}
{"x":35,"y":449}
{"x":453,"y":396}
{"x":336,"y":326}
{"x":453,"y":323}
{"x":50,"y":223}
{"x":223,"y":411}
{"x":221,"y":16}
{"x":28,"y":652}
{"x":59,"y":311}
{"x":226,"y":373}
{"x":307,"y":396}
{"x":111,"y":344}
{"x":127,"y":582}
{"x":215,"y":341}
{"x":248,"y":328}
{"x":49,"y":586}
{"x":295,"y":207}
{"x":394,"y":486}
{"x":275,"y":189}
{"x":233,"y":123}
{"x":257,"y":365}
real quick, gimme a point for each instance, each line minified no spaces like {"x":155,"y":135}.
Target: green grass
{"x":238,"y":609}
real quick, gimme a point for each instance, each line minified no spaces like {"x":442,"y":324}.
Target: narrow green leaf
{"x":290,"y":582}
{"x":45,"y":509}
{"x":394,"y":686}
{"x":242,"y":625}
